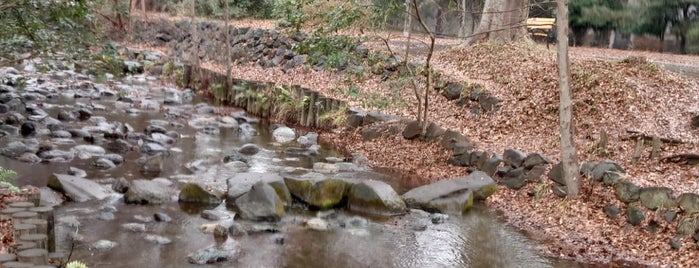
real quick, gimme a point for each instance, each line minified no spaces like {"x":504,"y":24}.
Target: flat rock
{"x":147,"y":192}
{"x":375,"y":197}
{"x":76,"y":188}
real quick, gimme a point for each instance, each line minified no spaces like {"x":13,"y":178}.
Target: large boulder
{"x":196,"y":193}
{"x":375,"y":197}
{"x":147,"y":192}
{"x":443,"y":194}
{"x":626,"y":191}
{"x":284,"y":134}
{"x":603,"y":167}
{"x":241,"y":183}
{"x":689,"y":202}
{"x":260,"y":203}
{"x":514,"y":157}
{"x":316,"y":191}
{"x":76,"y":188}
{"x":656,"y":197}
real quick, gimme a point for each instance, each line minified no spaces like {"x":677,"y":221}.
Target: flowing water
{"x":476,"y":239}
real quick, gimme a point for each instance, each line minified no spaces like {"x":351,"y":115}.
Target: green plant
{"x":76,"y":264}
{"x":335,"y":118}
{"x":6,"y":175}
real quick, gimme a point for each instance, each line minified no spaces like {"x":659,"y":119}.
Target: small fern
{"x":76,"y":264}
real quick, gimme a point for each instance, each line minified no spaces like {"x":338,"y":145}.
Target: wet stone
{"x":6,"y":257}
{"x":21,"y":204}
{"x":104,"y":245}
{"x":161,"y":217}
{"x":156,"y":239}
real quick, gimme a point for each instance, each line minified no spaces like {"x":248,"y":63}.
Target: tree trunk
{"x":569,"y":158}
{"x":501,"y":21}
{"x":228,"y":46}
{"x":407,"y":26}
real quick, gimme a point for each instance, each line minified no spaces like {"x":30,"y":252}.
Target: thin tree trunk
{"x":569,"y":156}
{"x":228,"y":47}
{"x":462,"y":31}
{"x":195,"y":40}
{"x":408,"y":19}
{"x":428,"y":70}
{"x":143,"y":9}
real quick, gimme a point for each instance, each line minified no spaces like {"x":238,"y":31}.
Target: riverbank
{"x":617,"y":98}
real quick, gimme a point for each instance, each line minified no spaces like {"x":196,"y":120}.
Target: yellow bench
{"x":541,"y":28}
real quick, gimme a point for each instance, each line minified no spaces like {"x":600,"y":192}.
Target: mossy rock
{"x":657,"y":197}
{"x":195,"y":193}
{"x":375,"y":197}
{"x":626,"y":191}
{"x":321,"y":193}
{"x":456,"y":203}
{"x":689,"y":202}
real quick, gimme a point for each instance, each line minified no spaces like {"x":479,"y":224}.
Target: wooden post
{"x":637,"y":151}
{"x":657,"y":143}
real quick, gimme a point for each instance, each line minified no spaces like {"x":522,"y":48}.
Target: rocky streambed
{"x":141,"y":173}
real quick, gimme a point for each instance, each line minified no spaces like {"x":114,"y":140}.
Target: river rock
{"x":212,"y":255}
{"x":241,"y":183}
{"x":134,"y":227}
{"x":656,"y":197}
{"x":118,"y":146}
{"x":321,"y":167}
{"x":147,"y":192}
{"x":318,"y":192}
{"x":156,"y":239}
{"x":195,"y":193}
{"x":152,"y":148}
{"x":429,"y":196}
{"x":16,"y":148}
{"x":28,"y":128}
{"x":103,"y":164}
{"x":249,"y":149}
{"x":121,"y":185}
{"x":626,"y":191}
{"x":114,"y":158}
{"x":283,"y":134}
{"x":56,"y":155}
{"x":29,"y":158}
{"x":317,"y":224}
{"x":375,"y":197}
{"x":246,"y":131}
{"x":689,"y":202}
{"x":49,"y":197}
{"x":104,"y":245}
{"x":162,"y":217}
{"x":152,"y":165}
{"x":260,"y":203}
{"x":77,"y":189}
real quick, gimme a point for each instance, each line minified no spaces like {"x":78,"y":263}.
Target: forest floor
{"x":622,"y":93}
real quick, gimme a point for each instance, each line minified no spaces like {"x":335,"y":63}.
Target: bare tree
{"x":228,"y":46}
{"x":501,"y":20}
{"x":569,"y":158}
